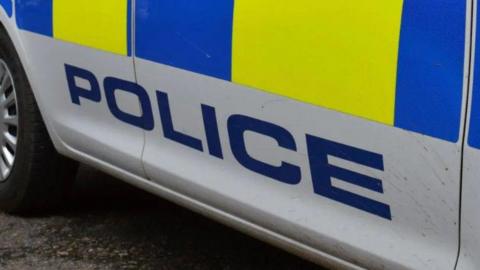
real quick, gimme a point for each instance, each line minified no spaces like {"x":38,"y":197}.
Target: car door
{"x":470,"y":219}
{"x":76,"y":50}
{"x":335,"y":124}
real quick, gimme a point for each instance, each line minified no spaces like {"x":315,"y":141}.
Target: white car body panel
{"x":470,"y":218}
{"x":421,"y":179}
{"x":90,"y":128}
{"x":422,"y":203}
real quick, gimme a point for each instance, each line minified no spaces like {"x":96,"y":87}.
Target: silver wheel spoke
{"x":4,"y":170}
{"x":10,"y":140}
{"x":10,"y":100}
{"x":9,"y":121}
{"x":5,"y":84}
{"x":3,"y":72}
{"x":9,"y":158}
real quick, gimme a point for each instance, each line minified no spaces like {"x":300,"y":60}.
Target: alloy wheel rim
{"x":8,"y":121}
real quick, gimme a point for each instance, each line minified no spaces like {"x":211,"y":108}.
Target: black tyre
{"x":34,"y":178}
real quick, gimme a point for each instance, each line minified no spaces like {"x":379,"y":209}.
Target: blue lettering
{"x":144,"y":121}
{"x":211,"y":130}
{"x":168,"y":128}
{"x":322,"y":172}
{"x":76,"y":91}
{"x":318,"y":149}
{"x":239,"y":124}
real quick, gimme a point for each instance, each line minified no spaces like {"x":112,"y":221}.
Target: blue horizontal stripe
{"x":7,"y":6}
{"x":474,"y":129}
{"x":431,"y":67}
{"x":191,"y":35}
{"x":35,"y":16}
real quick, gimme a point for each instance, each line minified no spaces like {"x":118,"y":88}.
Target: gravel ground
{"x":109,"y":225}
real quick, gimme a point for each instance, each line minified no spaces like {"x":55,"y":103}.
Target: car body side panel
{"x":86,"y":126}
{"x":423,"y":231}
{"x":470,"y":218}
{"x":398,"y":53}
{"x":470,"y":215}
{"x":113,"y":169}
{"x":420,"y":176}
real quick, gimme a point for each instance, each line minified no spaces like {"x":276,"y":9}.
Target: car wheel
{"x":33,"y":176}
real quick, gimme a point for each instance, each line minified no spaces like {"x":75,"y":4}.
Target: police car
{"x":347,"y":132}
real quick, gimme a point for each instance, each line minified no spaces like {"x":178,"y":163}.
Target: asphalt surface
{"x":109,"y":225}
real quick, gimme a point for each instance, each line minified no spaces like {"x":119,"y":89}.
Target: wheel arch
{"x":9,"y":26}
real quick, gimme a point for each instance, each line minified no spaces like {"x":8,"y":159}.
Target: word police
{"x":319,"y":149}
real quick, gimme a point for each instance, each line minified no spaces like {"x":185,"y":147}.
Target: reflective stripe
{"x":7,"y":6}
{"x":431,"y":68}
{"x":474,"y":126}
{"x":397,"y":62}
{"x":99,"y":24}
{"x":195,"y":35}
{"x":34,"y":16}
{"x":338,"y":54}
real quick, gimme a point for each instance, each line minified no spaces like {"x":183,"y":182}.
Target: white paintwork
{"x":470,"y":225}
{"x":420,"y":175}
{"x":421,"y":178}
{"x":89,"y":128}
{"x":469,"y":258}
